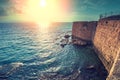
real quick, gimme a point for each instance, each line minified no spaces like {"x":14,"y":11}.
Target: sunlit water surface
{"x":31,"y":52}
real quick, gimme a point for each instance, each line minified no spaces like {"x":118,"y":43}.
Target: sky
{"x":73,"y":10}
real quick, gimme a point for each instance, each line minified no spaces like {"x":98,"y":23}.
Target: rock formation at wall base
{"x":80,"y":41}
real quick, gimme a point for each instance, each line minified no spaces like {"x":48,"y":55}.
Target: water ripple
{"x":28,"y":53}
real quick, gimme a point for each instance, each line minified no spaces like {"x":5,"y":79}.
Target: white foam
{"x":17,"y":64}
{"x":46,"y":54}
{"x":53,"y":69}
{"x":48,"y":61}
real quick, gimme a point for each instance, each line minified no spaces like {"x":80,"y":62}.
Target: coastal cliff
{"x":105,"y":36}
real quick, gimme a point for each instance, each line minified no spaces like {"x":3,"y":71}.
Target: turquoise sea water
{"x":31,"y":52}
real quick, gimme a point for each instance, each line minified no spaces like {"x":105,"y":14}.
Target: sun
{"x":43,"y":3}
{"x":45,"y":11}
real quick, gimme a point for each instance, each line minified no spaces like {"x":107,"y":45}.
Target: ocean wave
{"x":8,"y":69}
{"x":48,"y":61}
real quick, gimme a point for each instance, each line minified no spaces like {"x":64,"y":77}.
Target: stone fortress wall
{"x":83,"y":32}
{"x":107,"y":45}
{"x":105,"y":36}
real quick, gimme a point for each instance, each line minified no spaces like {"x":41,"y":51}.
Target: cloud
{"x":2,"y":11}
{"x":10,"y":7}
{"x":4,"y":1}
{"x":4,"y":7}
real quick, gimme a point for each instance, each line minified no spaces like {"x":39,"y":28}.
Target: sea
{"x":30,"y":51}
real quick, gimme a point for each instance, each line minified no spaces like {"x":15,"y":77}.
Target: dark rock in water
{"x":79,"y":42}
{"x":64,"y":42}
{"x":89,"y":69}
{"x":91,"y":72}
{"x":63,"y":45}
{"x":67,"y":36}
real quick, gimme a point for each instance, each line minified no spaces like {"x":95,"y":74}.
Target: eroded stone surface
{"x":83,"y":32}
{"x":107,"y":44}
{"x":116,"y":72}
{"x":106,"y":39}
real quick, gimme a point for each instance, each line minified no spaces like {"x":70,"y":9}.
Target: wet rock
{"x":66,"y":36}
{"x":79,"y":42}
{"x":88,"y":69}
{"x":64,"y":42}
